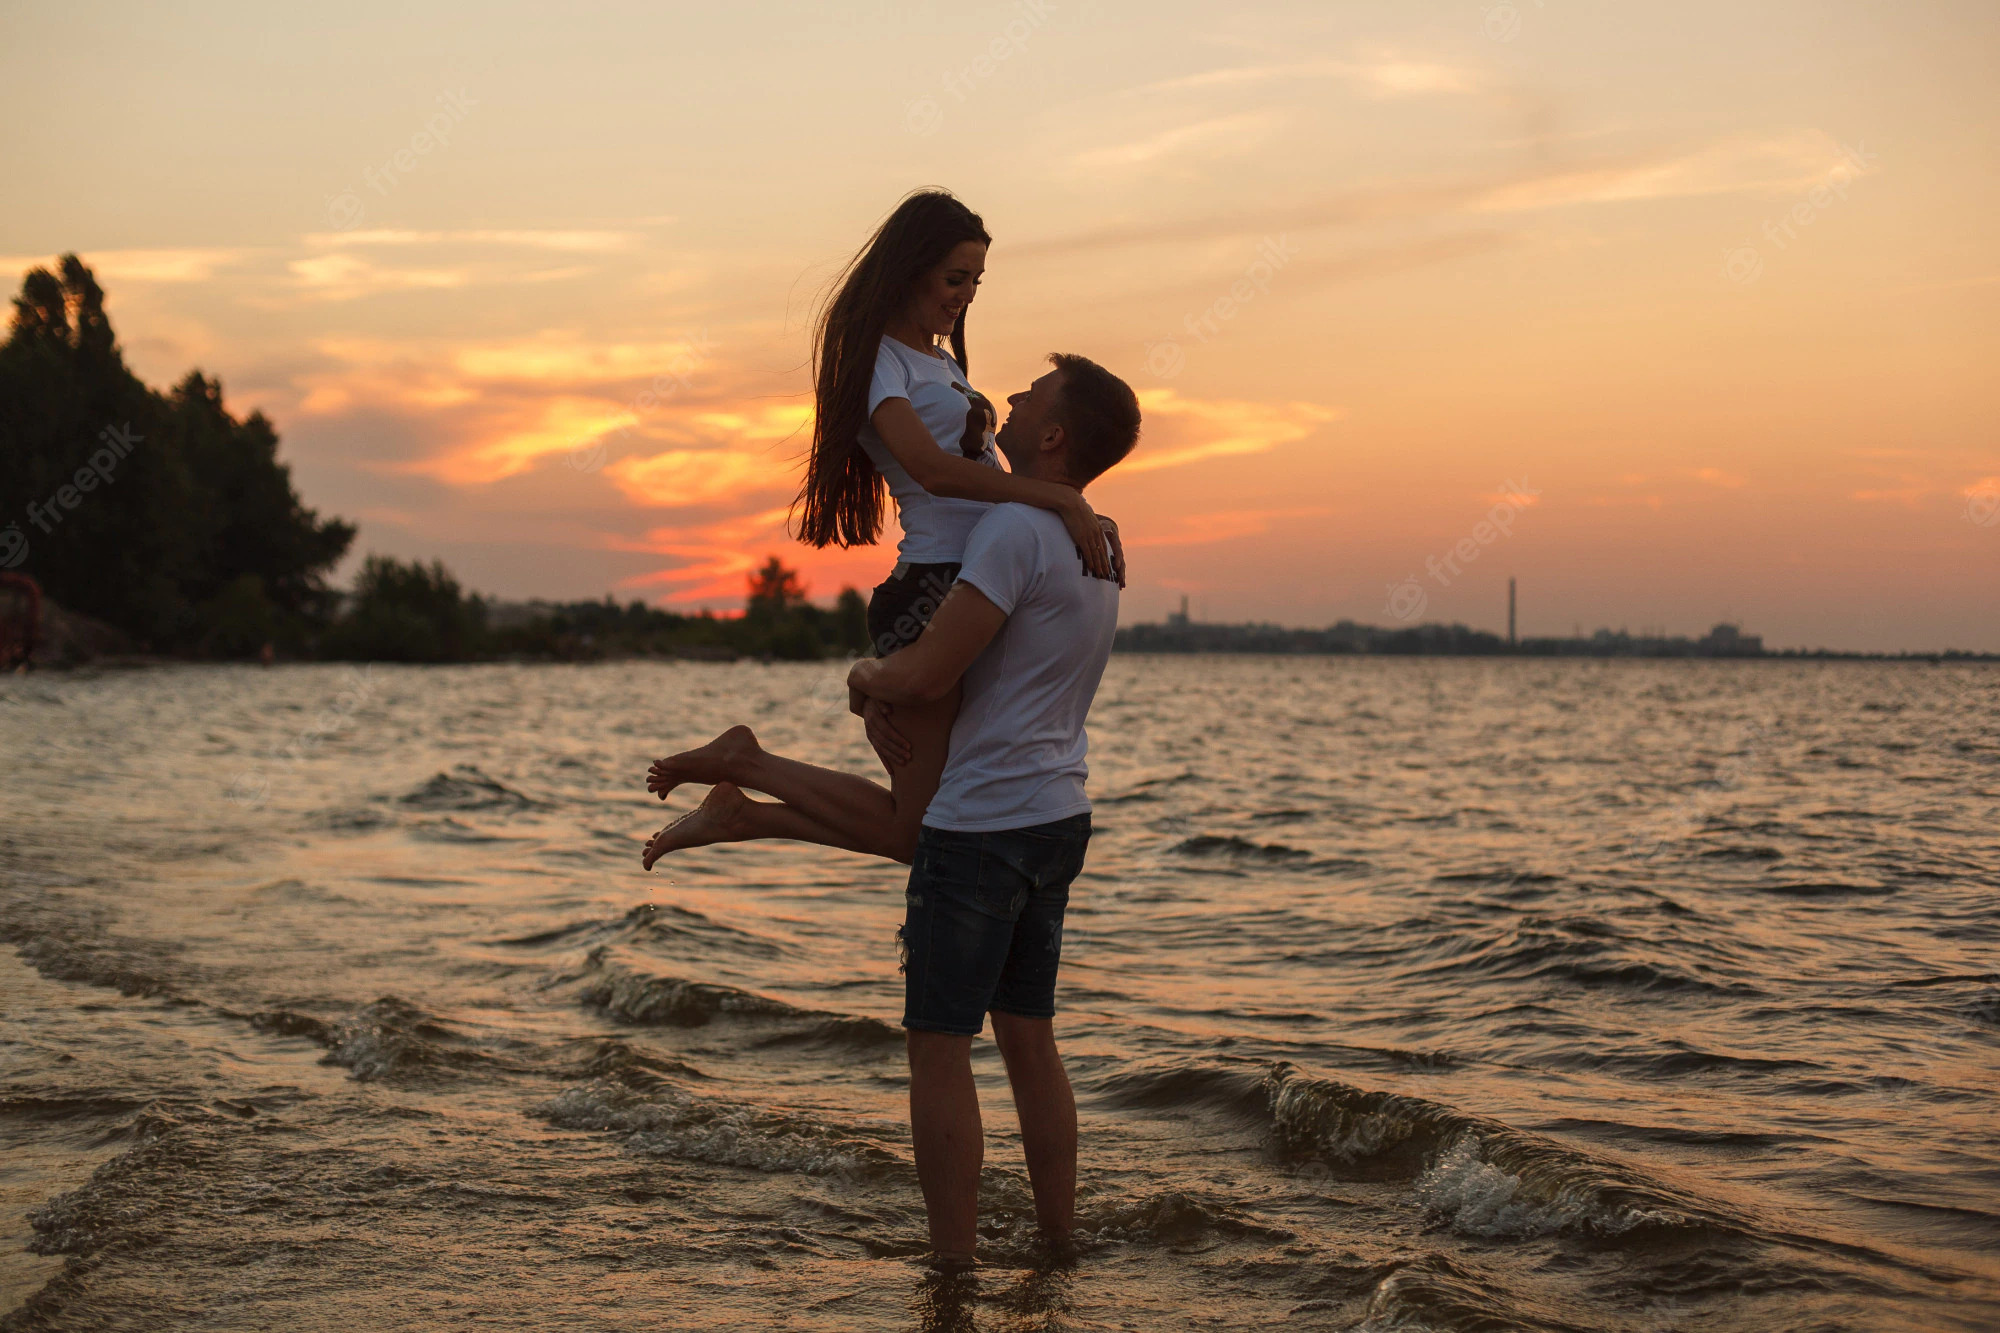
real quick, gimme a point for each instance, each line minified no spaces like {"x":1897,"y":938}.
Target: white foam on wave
{"x":669,"y":1123}
{"x":1484,"y":1200}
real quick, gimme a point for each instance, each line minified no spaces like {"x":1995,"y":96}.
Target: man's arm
{"x":928,"y":669}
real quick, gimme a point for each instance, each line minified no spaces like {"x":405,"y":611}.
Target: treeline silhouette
{"x":167,"y":519}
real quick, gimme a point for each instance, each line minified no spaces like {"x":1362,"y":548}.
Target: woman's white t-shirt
{"x":934,"y":527}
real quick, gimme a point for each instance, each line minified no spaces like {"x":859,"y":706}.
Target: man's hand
{"x":929,"y":669}
{"x":891,"y":745}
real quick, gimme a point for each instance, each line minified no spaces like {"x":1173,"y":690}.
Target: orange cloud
{"x":565,"y":356}
{"x":1785,"y":162}
{"x":560,"y":426}
{"x":1196,"y":428}
{"x":1226,"y":525}
{"x":184,"y":265}
{"x":696,"y":476}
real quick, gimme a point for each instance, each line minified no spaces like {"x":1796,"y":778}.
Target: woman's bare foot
{"x":721,"y":760}
{"x":714,"y":820}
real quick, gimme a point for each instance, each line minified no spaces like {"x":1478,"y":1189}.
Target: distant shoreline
{"x":1724,"y":642}
{"x":139,"y":662}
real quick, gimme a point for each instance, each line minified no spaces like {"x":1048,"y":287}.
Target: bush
{"x":407,"y":613}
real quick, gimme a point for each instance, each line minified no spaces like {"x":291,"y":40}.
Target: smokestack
{"x":1510,"y":611}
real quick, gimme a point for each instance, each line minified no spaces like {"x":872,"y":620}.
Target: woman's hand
{"x":1117,"y":549}
{"x":1089,"y":536}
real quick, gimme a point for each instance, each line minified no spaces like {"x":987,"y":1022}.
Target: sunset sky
{"x":1709,"y":289}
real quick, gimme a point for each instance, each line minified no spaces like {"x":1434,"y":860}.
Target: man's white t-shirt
{"x":934,"y":527}
{"x":1017,"y":749}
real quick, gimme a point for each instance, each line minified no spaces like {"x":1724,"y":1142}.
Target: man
{"x":1029,"y":632}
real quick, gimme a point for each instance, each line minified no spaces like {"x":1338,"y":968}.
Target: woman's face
{"x":942,"y":294}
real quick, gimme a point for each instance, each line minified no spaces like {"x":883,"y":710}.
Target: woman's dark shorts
{"x":983,"y":922}
{"x":904,"y":603}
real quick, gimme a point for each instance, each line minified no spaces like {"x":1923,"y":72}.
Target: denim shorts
{"x":982,"y":929}
{"x":904,"y":603}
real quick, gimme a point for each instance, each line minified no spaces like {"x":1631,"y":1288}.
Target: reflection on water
{"x":1397,"y":994}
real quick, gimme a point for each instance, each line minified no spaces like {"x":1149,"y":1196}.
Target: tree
{"x":159,"y":513}
{"x":775,"y":589}
{"x":408,"y":613}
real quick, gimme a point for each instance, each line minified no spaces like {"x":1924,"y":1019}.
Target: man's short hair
{"x":1098,"y":412}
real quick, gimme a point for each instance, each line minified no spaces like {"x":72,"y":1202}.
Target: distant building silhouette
{"x":1726,"y":640}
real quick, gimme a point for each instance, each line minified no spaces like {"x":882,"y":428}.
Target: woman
{"x":893,"y":407}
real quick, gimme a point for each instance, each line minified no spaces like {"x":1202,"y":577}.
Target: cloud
{"x":189,"y":265}
{"x":566,"y":356}
{"x":1715,"y":476}
{"x":1786,"y":163}
{"x":1222,"y":526}
{"x":580,"y":241}
{"x":343,"y":277}
{"x":559,"y":425}
{"x":1231,"y":133}
{"x":1196,"y":429}
{"x":1383,"y":75}
{"x":1906,"y":495}
{"x":696,"y":476}
{"x":717,"y":557}
{"x":1731,"y":166}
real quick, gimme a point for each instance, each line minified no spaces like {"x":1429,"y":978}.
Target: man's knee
{"x":1019,"y":1036}
{"x":937,"y":1050}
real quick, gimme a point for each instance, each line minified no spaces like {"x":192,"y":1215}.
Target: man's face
{"x":1020,"y":436}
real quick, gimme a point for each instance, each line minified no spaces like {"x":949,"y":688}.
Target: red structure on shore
{"x":20,"y":619}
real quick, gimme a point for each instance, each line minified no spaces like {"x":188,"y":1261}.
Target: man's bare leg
{"x":1047,"y":1108}
{"x":948,"y":1139}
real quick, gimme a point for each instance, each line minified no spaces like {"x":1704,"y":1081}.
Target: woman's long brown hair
{"x":840,"y":501}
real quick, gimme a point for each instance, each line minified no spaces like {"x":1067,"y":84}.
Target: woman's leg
{"x":819,"y":805}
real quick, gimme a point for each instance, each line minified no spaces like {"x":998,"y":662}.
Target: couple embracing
{"x":991,"y":635}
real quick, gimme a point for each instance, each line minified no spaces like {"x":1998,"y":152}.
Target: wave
{"x":1576,"y":952}
{"x":1178,"y":1085}
{"x":1485,"y":1178}
{"x":664,"y":1121}
{"x":465,"y":788}
{"x":1823,"y":889}
{"x":637,"y":997}
{"x":69,"y":1106}
{"x":1433,"y":1292}
{"x":667,"y":1121}
{"x":390,"y":1039}
{"x":647,"y":921}
{"x":64,"y":946}
{"x":1230,"y":847}
{"x":1169,"y":1217}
